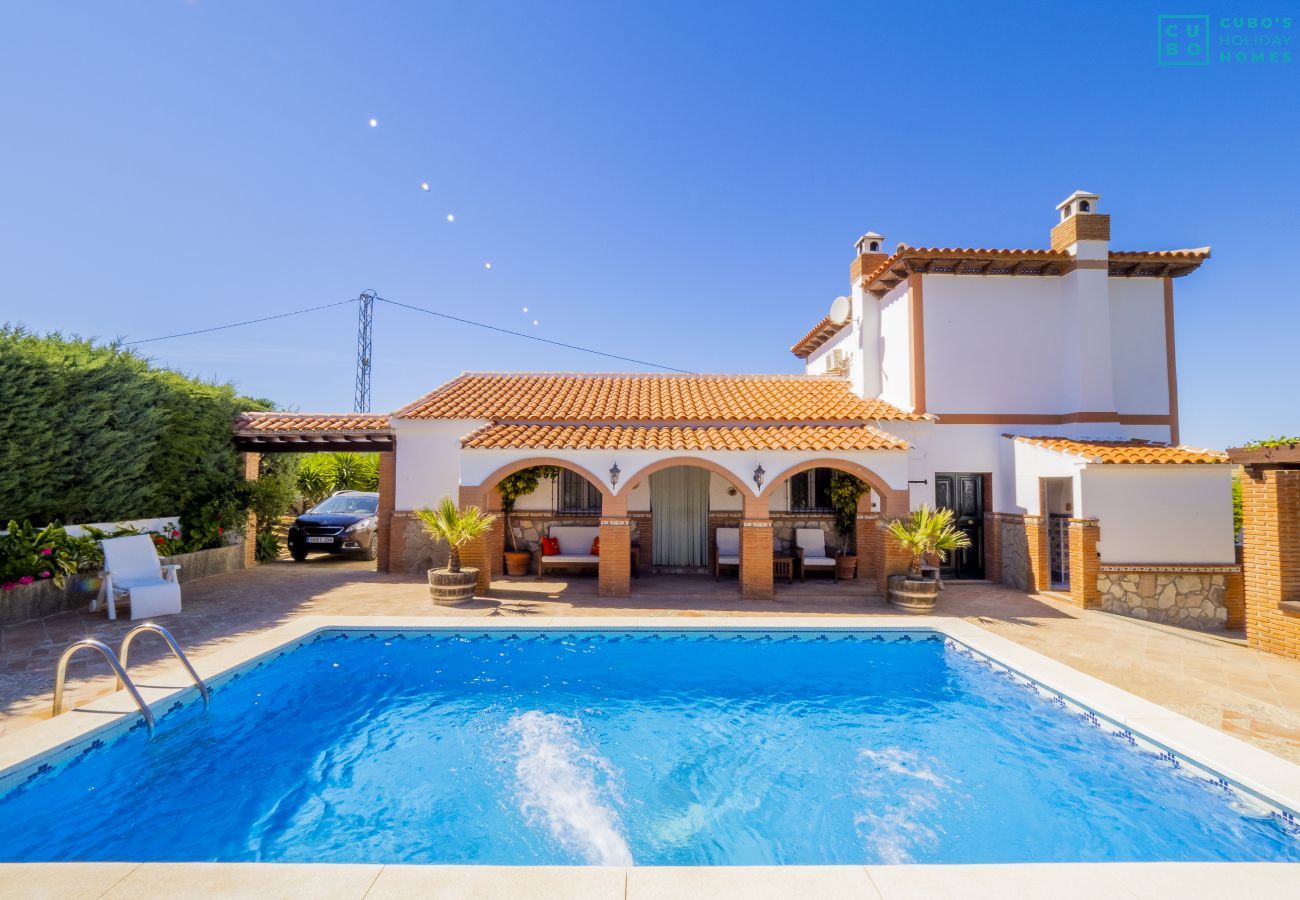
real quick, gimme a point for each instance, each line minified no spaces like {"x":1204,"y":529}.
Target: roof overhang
{"x":907,"y":261}
{"x":273,"y":432}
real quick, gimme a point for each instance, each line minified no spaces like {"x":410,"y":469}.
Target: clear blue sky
{"x":680,"y":182}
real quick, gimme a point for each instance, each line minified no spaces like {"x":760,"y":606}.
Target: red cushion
{"x":550,"y":546}
{"x":595,"y":547}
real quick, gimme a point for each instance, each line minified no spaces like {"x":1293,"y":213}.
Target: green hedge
{"x":95,"y":433}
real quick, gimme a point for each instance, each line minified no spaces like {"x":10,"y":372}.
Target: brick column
{"x":387,"y":501}
{"x":615,"y":569}
{"x":478,"y":552}
{"x":756,"y":558}
{"x":1040,"y":573}
{"x":992,"y":547}
{"x":1270,"y":501}
{"x":894,"y":560}
{"x":867,"y":544}
{"x":1085,"y":564}
{"x":252,"y":466}
{"x":1234,"y":596}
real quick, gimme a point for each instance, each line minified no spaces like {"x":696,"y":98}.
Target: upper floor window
{"x":811,"y":491}
{"x":577,"y":495}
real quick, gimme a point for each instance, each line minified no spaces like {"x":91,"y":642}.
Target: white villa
{"x":1032,"y":391}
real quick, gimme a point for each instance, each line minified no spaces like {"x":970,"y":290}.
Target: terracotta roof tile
{"x":619,"y":437}
{"x":284,"y":422}
{"x":1130,"y":452}
{"x":621,"y":398}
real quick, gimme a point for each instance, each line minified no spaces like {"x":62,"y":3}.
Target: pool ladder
{"x":119,"y":668}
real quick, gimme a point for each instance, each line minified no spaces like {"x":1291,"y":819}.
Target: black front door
{"x":963,"y":493}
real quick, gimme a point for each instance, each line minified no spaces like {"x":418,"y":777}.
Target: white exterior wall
{"x":895,"y":344}
{"x":1137,"y":330}
{"x":476,"y":465}
{"x":995,"y":343}
{"x":428,"y":460}
{"x":1161,"y":514}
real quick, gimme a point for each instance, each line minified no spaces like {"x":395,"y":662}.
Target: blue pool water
{"x":629,"y":748}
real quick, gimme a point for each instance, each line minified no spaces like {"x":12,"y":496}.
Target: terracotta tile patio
{"x":1210,"y":678}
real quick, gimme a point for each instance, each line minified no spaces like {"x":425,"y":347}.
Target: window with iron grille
{"x":576,"y":495}
{"x":811,"y":491}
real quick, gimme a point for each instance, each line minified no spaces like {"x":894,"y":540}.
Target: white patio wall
{"x":1148,"y":514}
{"x":1161,"y":514}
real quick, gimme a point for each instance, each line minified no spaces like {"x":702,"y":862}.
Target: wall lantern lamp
{"x":758,"y":476}
{"x":613,"y":475}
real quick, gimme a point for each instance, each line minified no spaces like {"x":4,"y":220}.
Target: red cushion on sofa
{"x":595,"y":547}
{"x":550,"y":546}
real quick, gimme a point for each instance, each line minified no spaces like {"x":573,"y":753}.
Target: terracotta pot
{"x":517,"y":562}
{"x":846,"y":567}
{"x":449,"y":588}
{"x":914,"y":595}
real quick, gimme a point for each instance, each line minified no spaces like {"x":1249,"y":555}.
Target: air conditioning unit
{"x":837,"y":363}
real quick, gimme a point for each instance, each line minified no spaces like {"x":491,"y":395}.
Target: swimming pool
{"x":666,"y":747}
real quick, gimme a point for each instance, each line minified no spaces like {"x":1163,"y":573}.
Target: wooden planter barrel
{"x":915,"y":595}
{"x":449,"y":588}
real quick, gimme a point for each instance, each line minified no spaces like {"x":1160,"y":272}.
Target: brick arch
{"x":892,"y":502}
{"x":487,"y":486}
{"x":699,"y":463}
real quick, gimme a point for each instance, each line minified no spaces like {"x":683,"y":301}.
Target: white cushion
{"x":570,"y":558}
{"x":812,"y":541}
{"x":575,"y":539}
{"x":728,"y":541}
{"x":818,"y":562}
{"x":729,"y":560}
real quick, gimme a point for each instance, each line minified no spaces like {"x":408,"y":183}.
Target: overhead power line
{"x":532,"y":337}
{"x":296,"y":312}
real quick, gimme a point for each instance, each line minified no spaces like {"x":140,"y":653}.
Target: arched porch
{"x":606,"y":515}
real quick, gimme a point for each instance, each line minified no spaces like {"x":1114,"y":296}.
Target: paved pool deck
{"x":1212,"y":679}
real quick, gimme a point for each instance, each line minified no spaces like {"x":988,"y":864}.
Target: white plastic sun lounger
{"x":132,"y":569}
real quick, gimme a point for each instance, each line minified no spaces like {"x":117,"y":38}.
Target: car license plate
{"x":314,"y":539}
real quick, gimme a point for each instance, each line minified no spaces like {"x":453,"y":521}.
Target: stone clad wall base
{"x":1013,"y":545}
{"x":1190,"y":597}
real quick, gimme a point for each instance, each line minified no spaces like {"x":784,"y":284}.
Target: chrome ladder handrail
{"x":123,"y":680}
{"x":176,"y":651}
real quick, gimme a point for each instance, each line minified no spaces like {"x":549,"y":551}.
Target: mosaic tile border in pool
{"x":64,"y":745}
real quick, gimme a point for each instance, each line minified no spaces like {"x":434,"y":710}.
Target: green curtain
{"x":679,"y":498}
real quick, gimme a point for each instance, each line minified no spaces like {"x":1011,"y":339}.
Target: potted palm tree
{"x":926,"y":533}
{"x":457,"y":527}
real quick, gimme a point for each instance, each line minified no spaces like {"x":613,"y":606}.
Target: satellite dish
{"x":840,"y":310}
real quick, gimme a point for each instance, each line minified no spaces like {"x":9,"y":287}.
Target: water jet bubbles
{"x":374,"y":123}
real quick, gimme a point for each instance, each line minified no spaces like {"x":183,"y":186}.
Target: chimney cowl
{"x":1078,"y":203}
{"x":870,"y":243}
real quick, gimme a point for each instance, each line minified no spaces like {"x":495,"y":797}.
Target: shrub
{"x":94,"y":433}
